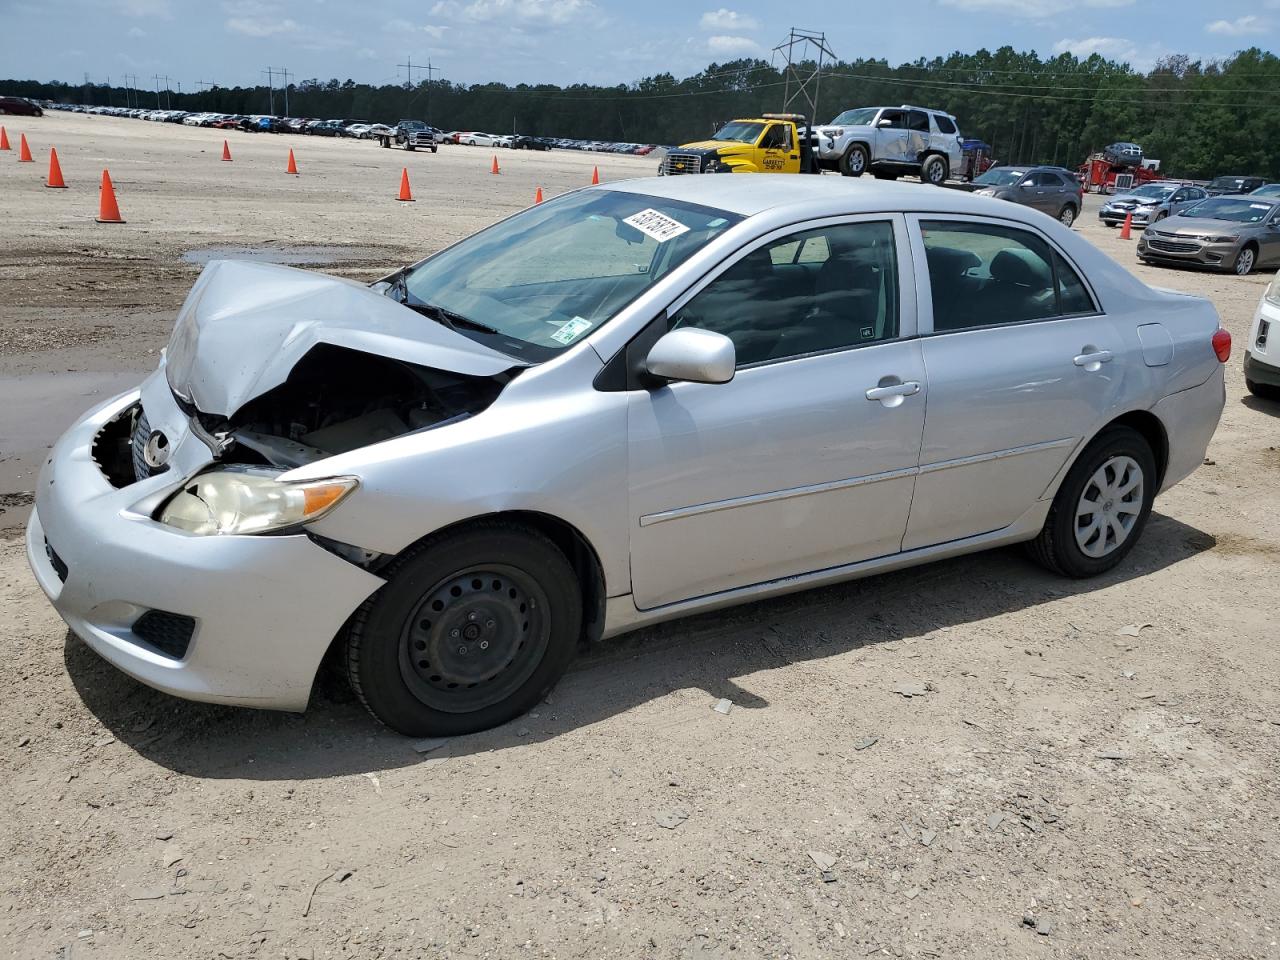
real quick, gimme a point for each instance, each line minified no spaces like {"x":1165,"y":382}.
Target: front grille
{"x":677,"y":163}
{"x":169,"y":633}
{"x":59,"y":565}
{"x":113,"y":448}
{"x":1173,"y":246}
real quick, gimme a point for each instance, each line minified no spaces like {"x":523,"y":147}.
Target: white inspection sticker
{"x":571,"y":330}
{"x":657,"y":225}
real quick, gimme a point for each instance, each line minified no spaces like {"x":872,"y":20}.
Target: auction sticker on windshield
{"x":657,"y":225}
{"x":571,"y":330}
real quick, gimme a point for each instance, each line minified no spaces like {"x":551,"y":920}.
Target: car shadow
{"x":337,"y":738}
{"x":1270,"y":407}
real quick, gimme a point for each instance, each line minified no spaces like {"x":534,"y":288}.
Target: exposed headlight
{"x":244,"y":500}
{"x":1273,"y":291}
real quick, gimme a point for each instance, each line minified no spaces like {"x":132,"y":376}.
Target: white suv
{"x":890,"y":142}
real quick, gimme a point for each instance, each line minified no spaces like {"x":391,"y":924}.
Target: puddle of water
{"x":34,"y":411}
{"x":302,"y":255}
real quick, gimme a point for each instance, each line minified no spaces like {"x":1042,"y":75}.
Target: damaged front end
{"x":271,"y":369}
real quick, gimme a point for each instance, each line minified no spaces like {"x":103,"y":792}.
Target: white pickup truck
{"x":890,"y":142}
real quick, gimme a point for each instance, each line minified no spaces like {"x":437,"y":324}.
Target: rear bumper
{"x":1259,"y":372}
{"x":1190,"y":417}
{"x":261,"y":610}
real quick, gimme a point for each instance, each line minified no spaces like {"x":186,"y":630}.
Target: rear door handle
{"x":1092,"y":360}
{"x":892,"y":394}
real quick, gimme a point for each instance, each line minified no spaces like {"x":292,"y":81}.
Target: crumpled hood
{"x":244,"y":326}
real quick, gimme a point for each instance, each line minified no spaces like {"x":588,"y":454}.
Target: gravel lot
{"x":1091,"y":771}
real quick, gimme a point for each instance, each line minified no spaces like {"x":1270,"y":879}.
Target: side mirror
{"x":693,"y":355}
{"x":884,"y":123}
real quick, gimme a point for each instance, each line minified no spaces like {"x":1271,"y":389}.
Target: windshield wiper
{"x":450,"y":319}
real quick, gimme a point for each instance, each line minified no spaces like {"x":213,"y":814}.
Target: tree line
{"x":1199,"y":118}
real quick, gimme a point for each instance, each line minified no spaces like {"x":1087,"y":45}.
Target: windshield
{"x":1269,"y":190}
{"x":1227,"y":183}
{"x":534,"y":284}
{"x":740,"y":131}
{"x":1000,"y":177}
{"x":1152,"y":192}
{"x":860,"y":117}
{"x":1235,"y":209}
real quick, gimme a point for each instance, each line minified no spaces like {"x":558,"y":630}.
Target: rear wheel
{"x":854,"y":161}
{"x":1101,"y":508}
{"x":934,"y":170}
{"x":471,"y":630}
{"x":1067,"y":215}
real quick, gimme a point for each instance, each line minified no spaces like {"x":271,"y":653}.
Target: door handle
{"x":1093,"y":360}
{"x":892,"y":394}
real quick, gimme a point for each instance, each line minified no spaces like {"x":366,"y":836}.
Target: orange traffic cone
{"x":24,"y":152}
{"x":293,"y":166}
{"x":495,"y":165}
{"x":595,"y":176}
{"x":226,"y":151}
{"x":108,"y":211}
{"x":405,"y":195}
{"x":4,"y":140}
{"x":1128,"y":223}
{"x":537,"y":197}
{"x":55,"y":171}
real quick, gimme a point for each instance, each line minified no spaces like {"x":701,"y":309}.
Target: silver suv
{"x":890,"y":142}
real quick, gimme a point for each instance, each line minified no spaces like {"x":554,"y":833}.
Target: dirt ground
{"x":1091,"y":772}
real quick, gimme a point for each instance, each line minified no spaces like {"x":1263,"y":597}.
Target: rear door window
{"x":918,"y":120}
{"x":983,"y":275}
{"x":944,"y":123}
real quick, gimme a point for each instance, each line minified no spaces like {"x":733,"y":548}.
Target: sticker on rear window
{"x":571,"y":330}
{"x":657,"y":225}
{"x":1259,"y":206}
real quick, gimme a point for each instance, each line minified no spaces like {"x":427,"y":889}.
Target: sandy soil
{"x":1064,"y":788}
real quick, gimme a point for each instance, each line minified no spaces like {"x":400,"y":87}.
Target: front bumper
{"x":265,"y":608}
{"x":1141,"y":217}
{"x":1186,"y":250}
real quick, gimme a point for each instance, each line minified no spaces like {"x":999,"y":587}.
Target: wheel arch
{"x":1146,"y":423}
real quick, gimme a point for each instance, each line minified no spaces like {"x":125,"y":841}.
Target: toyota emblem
{"x":156,"y":452}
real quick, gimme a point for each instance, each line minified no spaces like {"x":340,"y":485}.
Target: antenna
{"x":802,"y":48}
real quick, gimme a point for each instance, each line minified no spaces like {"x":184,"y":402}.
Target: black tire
{"x":854,"y":162}
{"x":1067,"y":216}
{"x":934,"y":170}
{"x":1159,"y":216}
{"x":410,"y":147}
{"x":459,"y":598}
{"x":1056,"y":545}
{"x":434,"y":148}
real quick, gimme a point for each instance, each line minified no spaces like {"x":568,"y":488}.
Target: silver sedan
{"x":631,"y":403}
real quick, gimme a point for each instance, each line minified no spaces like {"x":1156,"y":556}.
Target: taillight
{"x":1222,"y":345}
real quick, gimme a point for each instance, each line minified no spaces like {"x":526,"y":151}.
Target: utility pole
{"x":285,"y":74}
{"x":801,"y":48}
{"x":156,"y":78}
{"x":429,"y":70}
{"x":211,"y":84}
{"x":272,"y":87}
{"x":130,"y":93}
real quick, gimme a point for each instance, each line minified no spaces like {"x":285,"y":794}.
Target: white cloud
{"x":144,"y":8}
{"x":1240,"y":27}
{"x":261,"y":26}
{"x":434,"y":31}
{"x":552,"y":13}
{"x":1030,"y":9}
{"x":137,"y":32}
{"x":731,"y":45}
{"x":727,"y":21}
{"x":1115,"y":48}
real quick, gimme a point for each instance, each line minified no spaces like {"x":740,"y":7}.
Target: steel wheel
{"x":1244,"y":262}
{"x":1109,"y":507}
{"x":474,"y":638}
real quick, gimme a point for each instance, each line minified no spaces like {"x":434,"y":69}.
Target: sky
{"x":233,"y":42}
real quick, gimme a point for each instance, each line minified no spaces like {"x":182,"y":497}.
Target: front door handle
{"x":892,"y":391}
{"x":1092,"y":360}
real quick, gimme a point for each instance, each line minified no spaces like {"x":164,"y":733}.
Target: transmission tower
{"x":805,"y":51}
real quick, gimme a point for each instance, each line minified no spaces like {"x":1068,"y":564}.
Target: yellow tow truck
{"x":771,"y":143}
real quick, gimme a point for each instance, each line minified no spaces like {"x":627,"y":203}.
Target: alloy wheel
{"x":1109,"y":506}
{"x":1067,"y":217}
{"x":1244,"y":262}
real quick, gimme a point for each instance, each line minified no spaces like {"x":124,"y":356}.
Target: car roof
{"x":749,"y":195}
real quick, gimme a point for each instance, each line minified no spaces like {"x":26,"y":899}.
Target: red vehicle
{"x":1099,"y":175}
